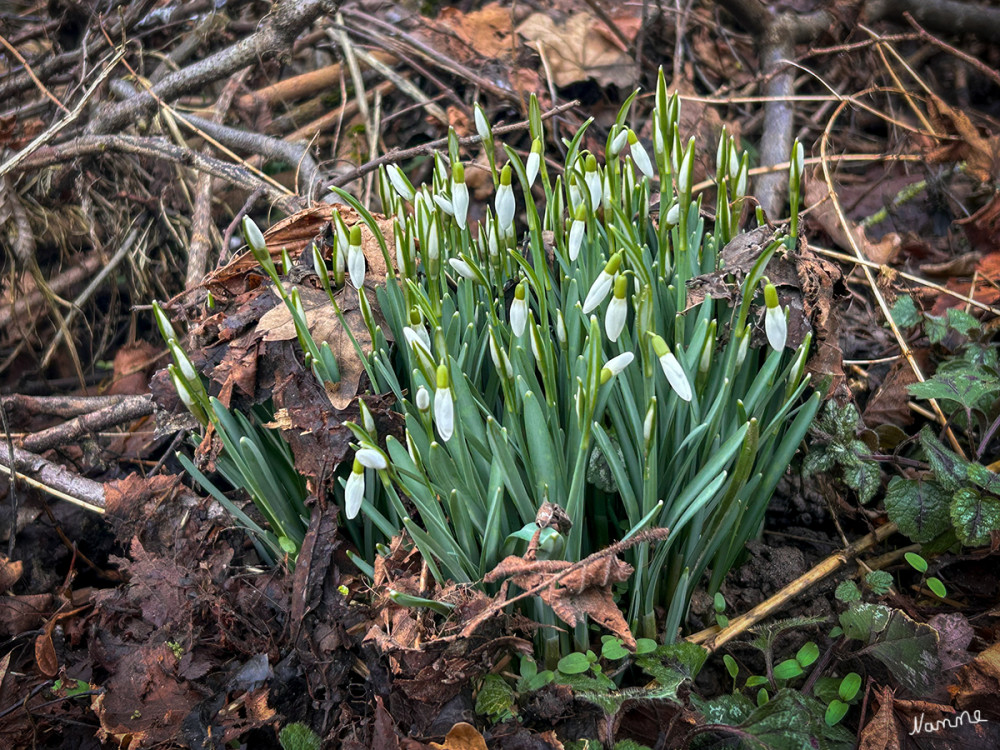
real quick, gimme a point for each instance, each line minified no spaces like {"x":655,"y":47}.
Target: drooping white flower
{"x":577,"y":231}
{"x":672,"y":369}
{"x":371,"y":458}
{"x":673,"y":215}
{"x":356,"y":258}
{"x":639,"y":155}
{"x":423,"y":399}
{"x":163,"y":323}
{"x":505,"y":201}
{"x":400,"y":183}
{"x":614,"y":321}
{"x":444,"y":204}
{"x":444,"y":405}
{"x":618,"y":143}
{"x":534,"y":162}
{"x":414,"y":338}
{"x":615,"y":365}
{"x":775,"y":325}
{"x":592,"y":177}
{"x":482,"y":125}
{"x":462,"y":268}
{"x":519,"y":309}
{"x":459,"y":194}
{"x":686,"y":169}
{"x":602,"y":284}
{"x":354,"y":490}
{"x":184,"y":363}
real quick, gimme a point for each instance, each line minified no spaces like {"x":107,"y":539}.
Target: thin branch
{"x":125,"y":410}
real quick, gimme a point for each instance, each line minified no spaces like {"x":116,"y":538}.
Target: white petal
{"x":518,"y":315}
{"x":356,"y":266}
{"x":444,"y":413}
{"x":423,"y":399}
{"x":619,"y":363}
{"x":676,"y":376}
{"x":674,"y":214}
{"x":505,"y":207}
{"x":531,"y":168}
{"x":371,"y":458}
{"x":614,"y":323}
{"x":576,"y":232}
{"x":482,"y":127}
{"x":462,"y":268}
{"x":417,"y":337}
{"x":460,"y":202}
{"x":444,"y":204}
{"x":595,"y":187}
{"x":641,"y":159}
{"x":775,"y":327}
{"x":399,"y":182}
{"x":618,"y":142}
{"x":597,"y":293}
{"x":354,"y":493}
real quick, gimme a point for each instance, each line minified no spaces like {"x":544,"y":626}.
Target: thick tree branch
{"x":982,"y":21}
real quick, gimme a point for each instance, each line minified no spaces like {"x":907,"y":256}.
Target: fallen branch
{"x":714,"y":637}
{"x":122,"y":411}
{"x":52,"y":478}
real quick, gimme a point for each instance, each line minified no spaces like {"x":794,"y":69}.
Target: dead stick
{"x":122,"y":412}
{"x":713,"y":637}
{"x":55,"y":479}
{"x":58,"y":406}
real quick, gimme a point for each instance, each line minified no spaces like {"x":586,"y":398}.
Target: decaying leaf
{"x":462,"y":737}
{"x":486,"y":32}
{"x":577,"y":50}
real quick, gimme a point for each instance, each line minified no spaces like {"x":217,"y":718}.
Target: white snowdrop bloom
{"x":423,"y":399}
{"x":672,"y":368}
{"x":400,"y":183}
{"x":618,"y":143}
{"x":505,"y":201}
{"x":184,"y":363}
{"x":602,"y":284}
{"x":560,"y":328}
{"x":433,"y":249}
{"x":592,"y":177}
{"x":459,"y":195}
{"x":639,"y":155}
{"x":615,"y":365}
{"x":614,"y":321}
{"x":673,"y":215}
{"x":577,"y":231}
{"x":444,"y":204}
{"x":649,"y":422}
{"x":462,"y":268}
{"x":534,"y":162}
{"x":371,"y":458}
{"x":444,"y":405}
{"x":482,"y":125}
{"x":356,"y":258}
{"x":163,"y":323}
{"x":775,"y":325}
{"x":741,"y":351}
{"x":519,"y":310}
{"x":354,"y":490}
{"x":686,"y":167}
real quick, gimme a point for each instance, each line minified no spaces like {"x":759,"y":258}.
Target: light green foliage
{"x":298,"y":737}
{"x":848,"y":591}
{"x":838,"y":427}
{"x":564,"y":353}
{"x":878,"y":582}
{"x":496,"y":699}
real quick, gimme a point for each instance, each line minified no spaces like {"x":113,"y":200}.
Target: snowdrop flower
{"x":400,"y":183}
{"x":433,"y":249}
{"x":519,"y":310}
{"x":534,"y":161}
{"x":592,"y":177}
{"x":184,"y":363}
{"x":354,"y":490}
{"x":482,"y":126}
{"x":356,"y":258}
{"x":686,"y":167}
{"x":775,"y":325}
{"x":575,"y":196}
{"x":505,"y":202}
{"x":577,"y":231}
{"x":459,"y":194}
{"x":618,"y":143}
{"x":615,"y":365}
{"x":602,"y":284}
{"x":367,"y":420}
{"x":181,"y":386}
{"x":649,"y":422}
{"x":741,"y":351}
{"x":371,"y":458}
{"x":444,"y":405}
{"x":423,"y":399}
{"x":444,"y":204}
{"x":672,"y":368}
{"x":614,"y":321}
{"x":657,"y":134}
{"x":319,"y":265}
{"x":673,"y":215}
{"x":734,"y":160}
{"x":560,"y":328}
{"x":500,"y":359}
{"x":462,"y":268}
{"x":639,"y":155}
{"x":163,"y":323}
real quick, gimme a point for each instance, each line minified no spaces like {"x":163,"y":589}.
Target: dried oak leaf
{"x":584,"y":591}
{"x":486,"y":32}
{"x":579,"y":49}
{"x":823,"y":215}
{"x":462,"y":737}
{"x":980,"y":154}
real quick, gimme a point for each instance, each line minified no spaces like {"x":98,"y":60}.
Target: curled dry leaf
{"x":577,"y":50}
{"x":462,"y":737}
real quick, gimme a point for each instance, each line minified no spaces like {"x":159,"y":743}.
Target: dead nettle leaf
{"x":325,"y":325}
{"x":486,"y":32}
{"x":823,"y":215}
{"x":462,"y":737}
{"x":981,"y":154}
{"x":579,"y":49}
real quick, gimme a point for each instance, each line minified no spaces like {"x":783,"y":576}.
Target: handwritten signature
{"x":919,"y":725}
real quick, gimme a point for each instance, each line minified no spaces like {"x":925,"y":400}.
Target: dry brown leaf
{"x":462,"y":737}
{"x":576,"y":50}
{"x":883,"y":732}
{"x":487,"y":30}
{"x":980,"y":154}
{"x":882,"y":251}
{"x":10,"y":572}
{"x":324,"y":325}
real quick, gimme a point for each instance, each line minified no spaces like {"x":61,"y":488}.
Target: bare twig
{"x":123,"y":411}
{"x":55,"y":479}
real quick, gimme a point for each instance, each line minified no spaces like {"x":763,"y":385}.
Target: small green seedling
{"x":919,"y":564}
